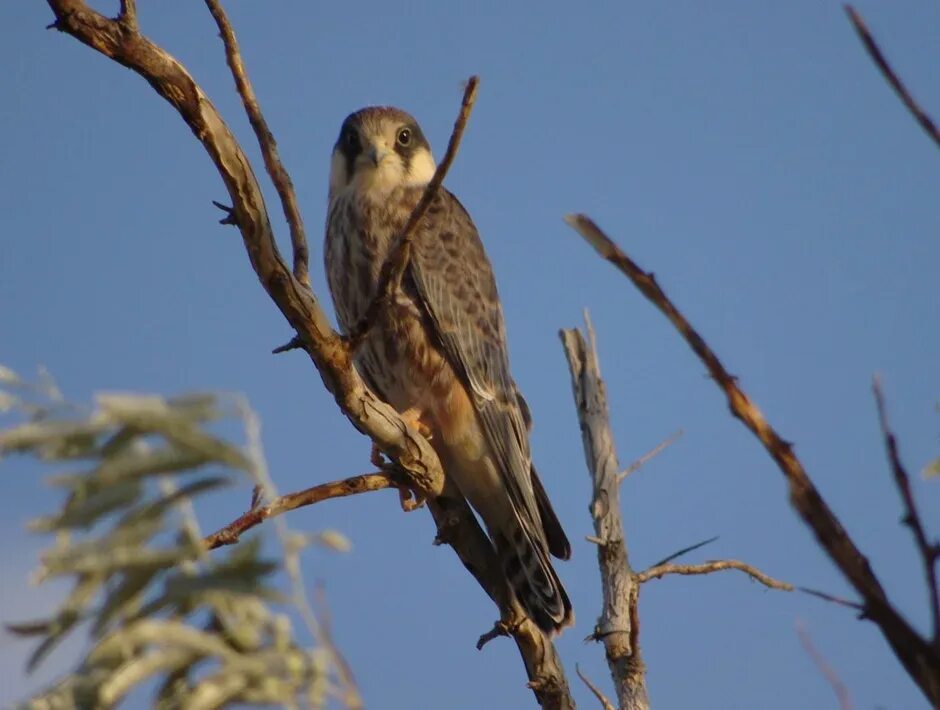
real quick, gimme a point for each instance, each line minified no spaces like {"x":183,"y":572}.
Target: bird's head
{"x":379,"y":149}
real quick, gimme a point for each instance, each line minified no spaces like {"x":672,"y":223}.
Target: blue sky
{"x":748,"y":153}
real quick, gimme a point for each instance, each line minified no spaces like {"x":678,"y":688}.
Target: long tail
{"x":532,"y":578}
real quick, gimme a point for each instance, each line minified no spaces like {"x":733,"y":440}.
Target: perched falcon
{"x":438,"y":352}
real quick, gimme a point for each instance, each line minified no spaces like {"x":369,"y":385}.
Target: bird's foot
{"x":409,"y":499}
{"x":412,"y":417}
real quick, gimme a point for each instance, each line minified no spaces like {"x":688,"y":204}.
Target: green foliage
{"x":159,"y":609}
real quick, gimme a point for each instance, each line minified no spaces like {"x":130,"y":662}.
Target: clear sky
{"x":747,"y":152}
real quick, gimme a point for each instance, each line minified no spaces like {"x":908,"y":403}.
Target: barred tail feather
{"x":533,"y":580}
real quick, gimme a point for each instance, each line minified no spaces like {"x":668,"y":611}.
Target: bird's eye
{"x":404,"y":137}
{"x":351,"y":140}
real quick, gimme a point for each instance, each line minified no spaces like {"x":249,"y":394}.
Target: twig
{"x":838,"y":687}
{"x":601,"y":698}
{"x":364,"y":483}
{"x":714,"y":566}
{"x":397,"y":262}
{"x":860,"y":608}
{"x":889,"y":74}
{"x":912,"y":518}
{"x":128,"y":13}
{"x":294,"y":343}
{"x":499,"y":629}
{"x":919,"y":658}
{"x":649,"y":456}
{"x":618,"y":625}
{"x":272,"y":160}
{"x":685,"y":551}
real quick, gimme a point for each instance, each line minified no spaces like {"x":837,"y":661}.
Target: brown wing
{"x":455,"y":283}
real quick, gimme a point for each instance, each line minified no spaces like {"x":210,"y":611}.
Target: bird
{"x":437,"y":351}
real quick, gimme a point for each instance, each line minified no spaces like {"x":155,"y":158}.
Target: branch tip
{"x":295,"y":343}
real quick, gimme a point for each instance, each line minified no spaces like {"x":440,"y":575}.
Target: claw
{"x":409,"y":500}
{"x":412,"y":417}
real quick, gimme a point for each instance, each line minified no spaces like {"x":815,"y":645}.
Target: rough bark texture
{"x":618,"y":625}
{"x":919,"y":656}
{"x":120,"y":40}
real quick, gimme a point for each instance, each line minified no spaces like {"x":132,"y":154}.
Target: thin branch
{"x":272,"y":160}
{"x":912,"y":517}
{"x":295,"y":343}
{"x":685,"y":551}
{"x":841,"y":601}
{"x":128,"y":14}
{"x":649,"y":456}
{"x":889,"y":74}
{"x":601,"y":698}
{"x":919,"y":658}
{"x":397,"y":262}
{"x":364,"y":483}
{"x":714,"y":566}
{"x":618,"y":625}
{"x":329,"y":352}
{"x":838,"y":687}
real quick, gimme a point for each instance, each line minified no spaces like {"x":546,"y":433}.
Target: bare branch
{"x":272,"y":160}
{"x":838,"y":687}
{"x":860,"y":608}
{"x":364,"y":483}
{"x":685,"y":551}
{"x":889,"y":74}
{"x":713,"y":566}
{"x":919,"y":658}
{"x":912,"y":518}
{"x":601,"y":698}
{"x":649,"y":456}
{"x":328,"y":351}
{"x":618,"y":625}
{"x":397,"y":263}
{"x":128,"y":13}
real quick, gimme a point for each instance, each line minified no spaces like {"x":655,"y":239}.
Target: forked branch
{"x":120,"y":40}
{"x":618,"y":625}
{"x":919,"y":657}
{"x":272,"y":160}
{"x":364,"y":483}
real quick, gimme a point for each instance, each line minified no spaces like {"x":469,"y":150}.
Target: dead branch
{"x":662,"y":570}
{"x":838,"y":687}
{"x":601,"y":698}
{"x":919,"y":657}
{"x":618,"y":626}
{"x":649,"y":456}
{"x":912,"y":518}
{"x":891,"y":76}
{"x":272,"y":160}
{"x":685,"y":550}
{"x":364,"y":483}
{"x":121,"y":41}
{"x":397,"y":262}
{"x":860,"y":608}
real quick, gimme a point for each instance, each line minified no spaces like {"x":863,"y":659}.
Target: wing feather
{"x":454,"y":280}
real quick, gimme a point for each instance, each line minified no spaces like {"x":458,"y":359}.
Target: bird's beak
{"x":377,"y":154}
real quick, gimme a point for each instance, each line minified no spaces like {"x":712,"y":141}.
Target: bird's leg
{"x":412,"y":417}
{"x":409,"y":499}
